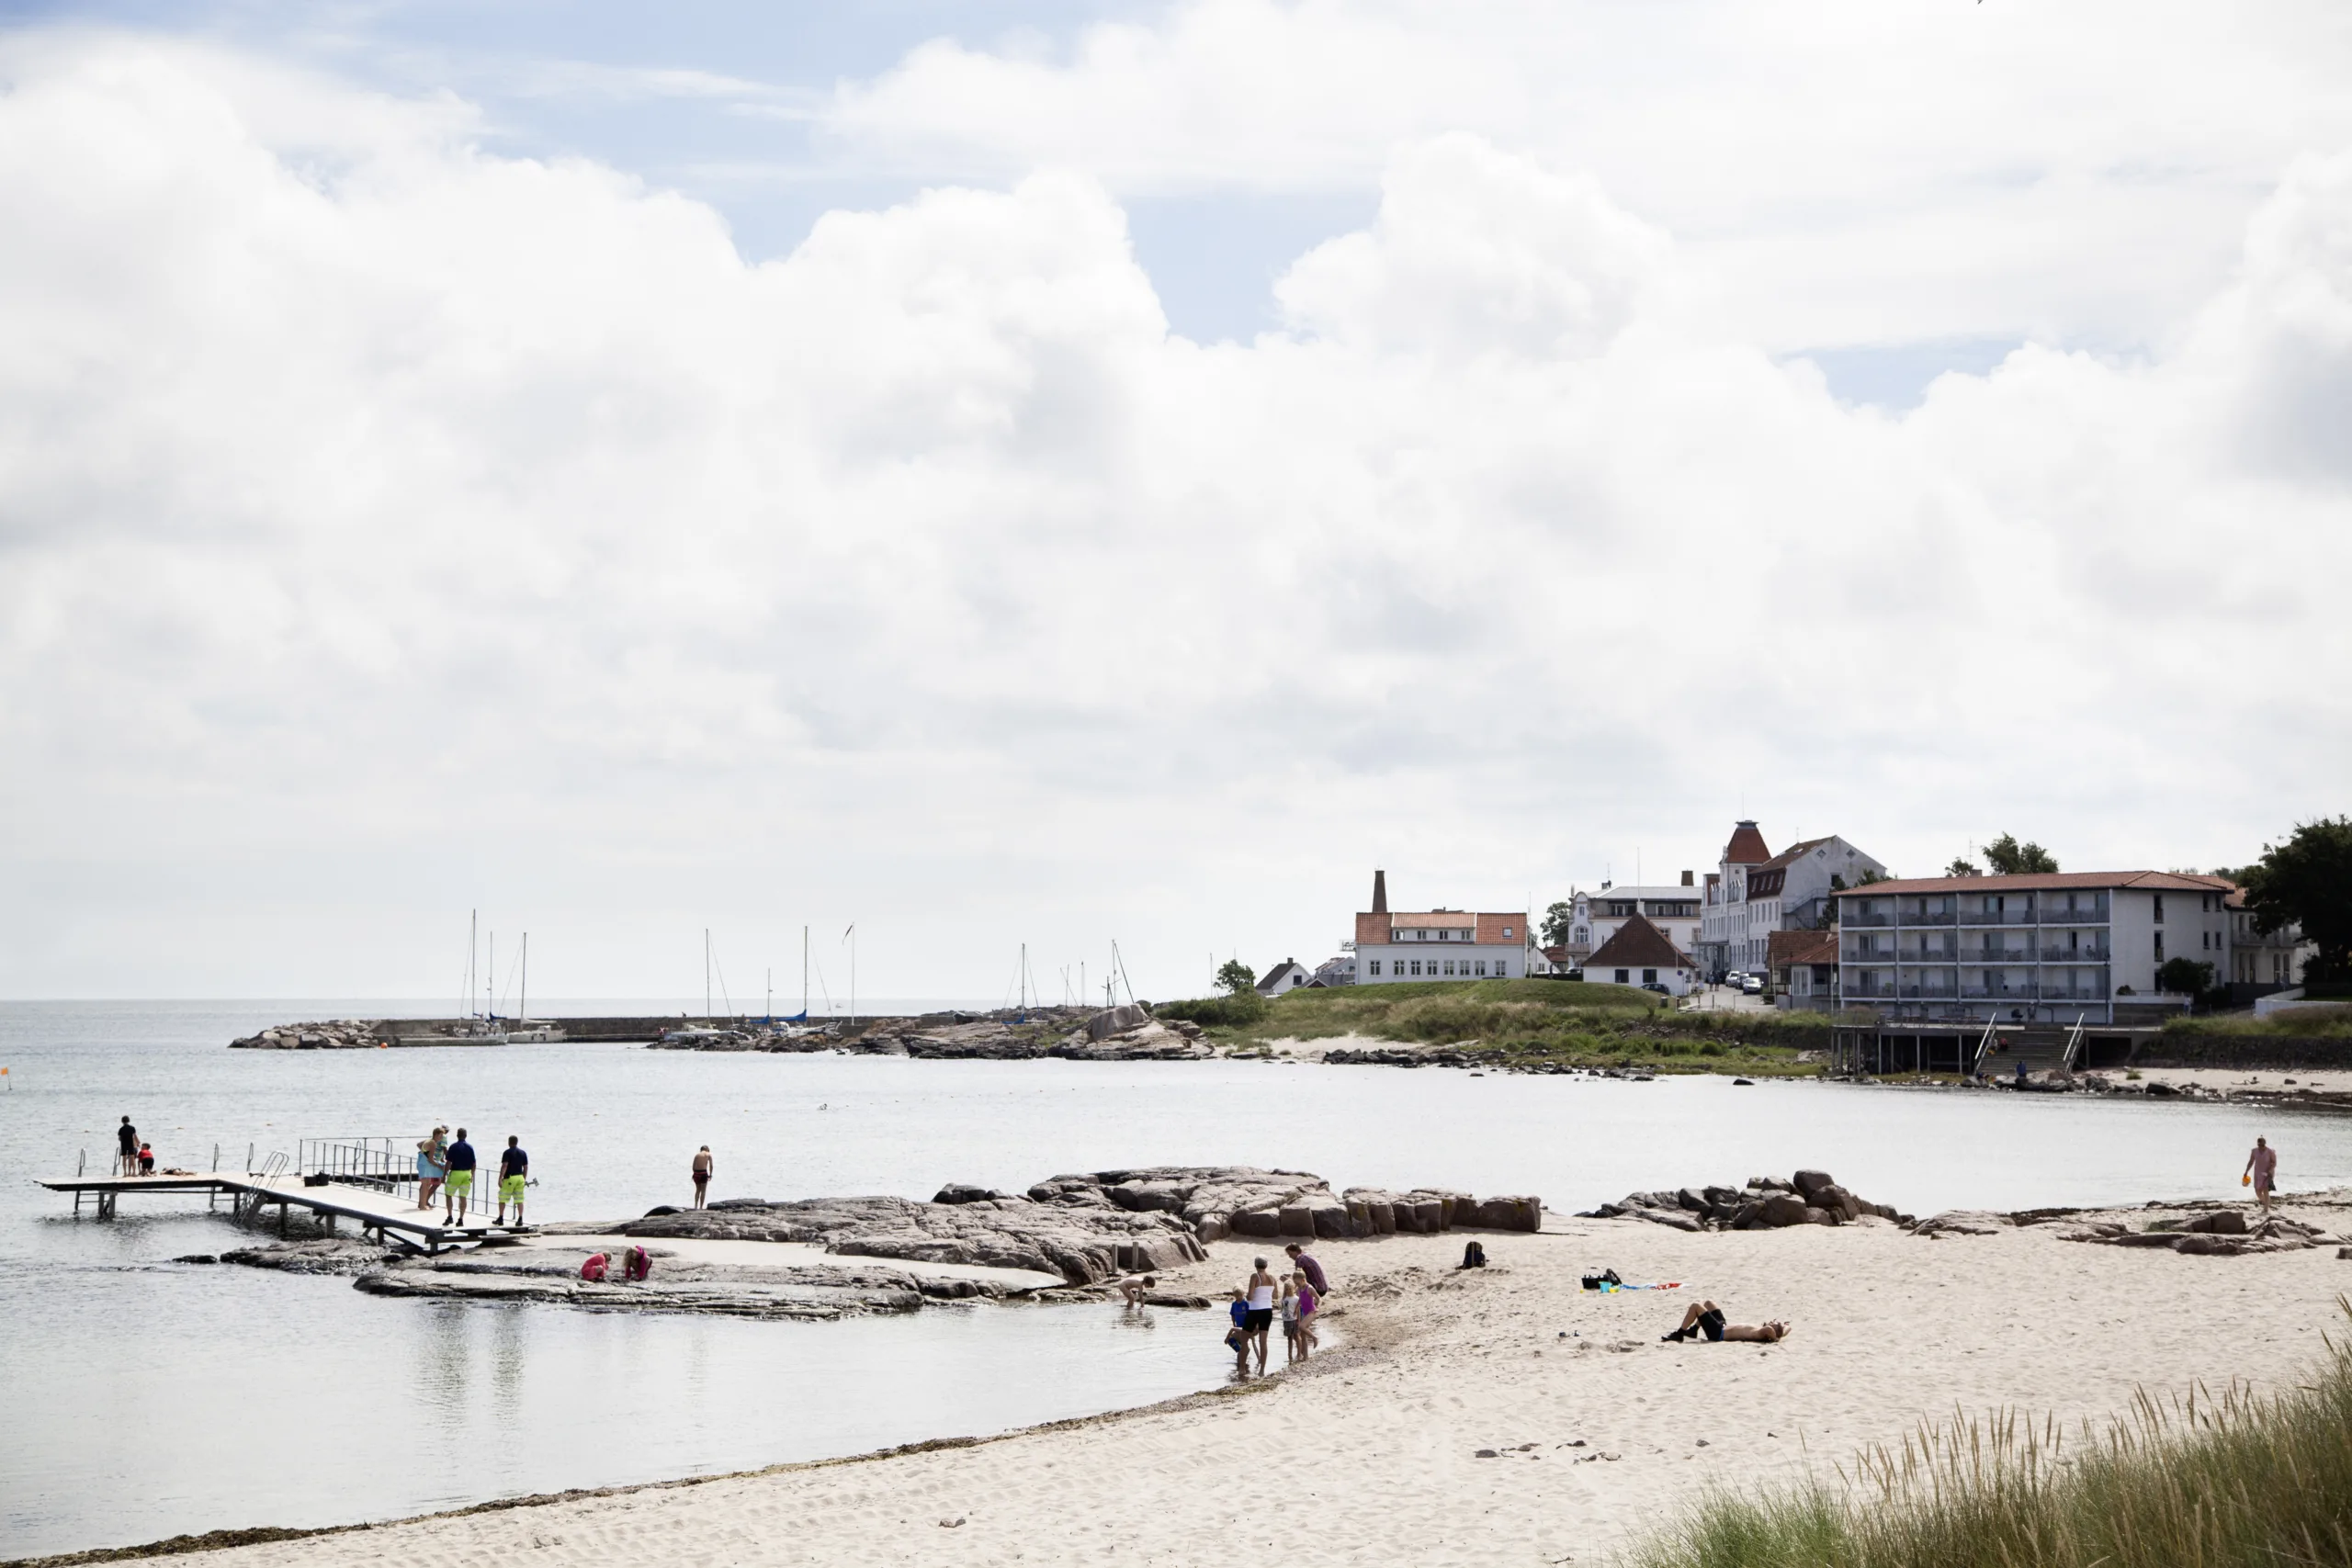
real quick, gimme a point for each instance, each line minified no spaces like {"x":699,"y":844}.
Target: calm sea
{"x":148,"y":1398}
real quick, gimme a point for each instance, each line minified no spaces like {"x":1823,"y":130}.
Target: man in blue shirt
{"x":459,"y":1185}
{"x":513,"y":1174}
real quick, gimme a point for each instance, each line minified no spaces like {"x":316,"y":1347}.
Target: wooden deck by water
{"x":388,"y":1215}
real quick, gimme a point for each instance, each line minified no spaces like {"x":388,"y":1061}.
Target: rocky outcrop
{"x":1766,"y":1202}
{"x":1082,"y":1244}
{"x":1964,"y":1222}
{"x":2216,"y":1233}
{"x":1221,"y":1201}
{"x":337,"y":1034}
{"x":328,"y":1256}
{"x":553,"y":1275}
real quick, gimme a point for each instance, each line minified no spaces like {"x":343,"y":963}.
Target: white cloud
{"x":420,"y":528}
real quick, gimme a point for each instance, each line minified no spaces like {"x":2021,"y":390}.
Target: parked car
{"x":1752,"y":984}
{"x":1656,"y":985}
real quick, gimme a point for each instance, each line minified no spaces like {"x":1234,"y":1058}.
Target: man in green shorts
{"x":514,"y":1175}
{"x":459,"y":1185}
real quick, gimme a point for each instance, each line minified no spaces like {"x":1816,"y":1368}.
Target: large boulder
{"x":1812,"y":1181}
{"x":1778,"y":1210}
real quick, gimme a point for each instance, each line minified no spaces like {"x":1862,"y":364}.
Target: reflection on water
{"x":141,"y":1393}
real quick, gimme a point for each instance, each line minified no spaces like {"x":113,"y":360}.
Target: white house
{"x":1287,"y":976}
{"x":2048,"y":948}
{"x":2262,"y":962}
{"x":1754,"y":892}
{"x":1437,"y":944}
{"x":1594,"y":917}
{"x":1637,"y":953}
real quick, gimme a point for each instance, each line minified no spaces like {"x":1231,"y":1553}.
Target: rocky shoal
{"x":332,"y":1035}
{"x":1090,"y":1227}
{"x":1765,"y":1202}
{"x":1126,"y":1033}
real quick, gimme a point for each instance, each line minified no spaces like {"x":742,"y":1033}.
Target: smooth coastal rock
{"x":1082,"y":1245}
{"x":553,"y":1275}
{"x":1766,"y":1202}
{"x":1220,"y":1201}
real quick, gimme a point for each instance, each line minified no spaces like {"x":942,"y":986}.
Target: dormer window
{"x":1506,"y":930}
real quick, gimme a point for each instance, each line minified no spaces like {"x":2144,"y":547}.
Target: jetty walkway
{"x":332,"y":1179}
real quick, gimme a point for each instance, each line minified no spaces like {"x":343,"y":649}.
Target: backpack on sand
{"x":1474,"y":1254}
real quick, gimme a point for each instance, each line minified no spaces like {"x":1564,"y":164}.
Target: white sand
{"x":1369,"y":1458}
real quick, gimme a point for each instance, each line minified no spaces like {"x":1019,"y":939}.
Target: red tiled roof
{"x":2052,"y":881}
{"x":1637,"y":944}
{"x":1747,"y":846}
{"x":1800,"y":947}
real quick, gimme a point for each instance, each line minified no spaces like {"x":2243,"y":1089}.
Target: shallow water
{"x":148,"y":1398}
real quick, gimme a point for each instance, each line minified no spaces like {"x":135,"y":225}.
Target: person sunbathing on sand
{"x":1705,"y":1318}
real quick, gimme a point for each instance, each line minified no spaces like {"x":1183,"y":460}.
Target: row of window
{"x":1471,"y":968}
{"x":1461,"y":933}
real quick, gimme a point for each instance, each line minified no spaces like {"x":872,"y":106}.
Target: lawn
{"x":1524,"y":1023}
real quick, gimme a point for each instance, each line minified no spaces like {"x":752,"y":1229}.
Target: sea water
{"x":148,"y":1398}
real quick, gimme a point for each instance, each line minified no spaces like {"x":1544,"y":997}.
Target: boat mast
{"x":705,"y":974}
{"x":523,"y":1007}
{"x":804,"y":973}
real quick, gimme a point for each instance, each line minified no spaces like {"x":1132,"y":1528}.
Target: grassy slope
{"x":2299,"y":1023}
{"x":1535,"y":1021}
{"x":2233,"y":1482}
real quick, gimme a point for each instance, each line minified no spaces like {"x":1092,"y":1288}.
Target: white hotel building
{"x":1436,"y":944}
{"x":2034,"y":949}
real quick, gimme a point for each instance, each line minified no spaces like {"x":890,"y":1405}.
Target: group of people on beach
{"x":445,"y":1169}
{"x":1296,"y":1296}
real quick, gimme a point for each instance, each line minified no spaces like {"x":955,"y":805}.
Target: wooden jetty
{"x":357,"y":1186}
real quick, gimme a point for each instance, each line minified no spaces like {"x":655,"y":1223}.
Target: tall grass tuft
{"x":2240,"y":1481}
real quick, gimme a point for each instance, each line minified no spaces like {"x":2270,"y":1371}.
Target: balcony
{"x":1929,"y":993}
{"x":2019,"y":993}
{"x":1998,"y":957}
{"x":1924,"y":917}
{"x":1927,"y":955}
{"x":1853,"y":919}
{"x":2075,"y":955}
{"x":2012,"y":916}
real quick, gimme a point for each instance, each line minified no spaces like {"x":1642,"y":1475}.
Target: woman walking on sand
{"x":702,"y":1177}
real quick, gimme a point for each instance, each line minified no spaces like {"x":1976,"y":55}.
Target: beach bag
{"x":1475,"y":1256}
{"x":316,"y":1178}
{"x":1602,"y":1280}
{"x":593,"y":1269}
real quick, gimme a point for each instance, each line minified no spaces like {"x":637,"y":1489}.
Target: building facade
{"x":2050,"y":948}
{"x":1594,"y":917}
{"x":1754,"y":892}
{"x":2262,"y":962}
{"x":1437,"y":944}
{"x":1287,"y":976}
{"x":1638,"y":954}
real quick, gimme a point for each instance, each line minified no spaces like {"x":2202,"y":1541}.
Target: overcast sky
{"x":1072,"y":472}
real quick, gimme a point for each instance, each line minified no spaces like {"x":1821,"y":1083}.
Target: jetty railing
{"x":382,"y":1163}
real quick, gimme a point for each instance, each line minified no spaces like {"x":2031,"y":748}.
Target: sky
{"x":1064,"y":474}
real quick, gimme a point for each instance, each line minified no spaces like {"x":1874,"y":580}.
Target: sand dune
{"x":1372,"y":1455}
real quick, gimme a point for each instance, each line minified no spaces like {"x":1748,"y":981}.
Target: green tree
{"x":2307,"y":882}
{"x":1234,"y":977}
{"x":2185,"y":977}
{"x":1959,"y":867}
{"x":2009,"y":858}
{"x":1556,"y":923}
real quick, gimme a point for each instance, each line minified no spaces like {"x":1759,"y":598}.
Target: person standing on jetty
{"x":514,"y":1175}
{"x":702,"y":1178}
{"x":459,"y":1186}
{"x":432,"y":1165}
{"x":126,"y":1143}
{"x":2262,"y":1166}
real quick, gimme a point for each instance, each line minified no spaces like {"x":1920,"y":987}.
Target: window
{"x":2160,"y":947}
{"x":1482,"y":967}
{"x":2205,"y":940}
{"x":1502,"y":966}
{"x":1417,"y":968}
{"x":1376,"y":966}
{"x":1622,"y":976}
{"x":1506,"y":930}
{"x":1449,"y":966}
{"x":1649,"y":977}
{"x":2160,"y":906}
{"x":1583,"y":934}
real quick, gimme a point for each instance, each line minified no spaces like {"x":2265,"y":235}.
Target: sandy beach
{"x":1373,"y":1454}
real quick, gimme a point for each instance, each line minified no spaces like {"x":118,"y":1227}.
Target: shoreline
{"x":1499,"y":1415}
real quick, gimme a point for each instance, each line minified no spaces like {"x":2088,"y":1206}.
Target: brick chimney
{"x":1380,"y":893}
{"x":1686,"y":879}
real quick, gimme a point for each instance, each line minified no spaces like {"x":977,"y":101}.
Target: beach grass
{"x":1526,"y":1024}
{"x":2299,"y":1023}
{"x":2213,"y":1482}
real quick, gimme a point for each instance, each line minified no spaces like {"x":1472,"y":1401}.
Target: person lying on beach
{"x":1705,"y":1318}
{"x":1135,"y":1285}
